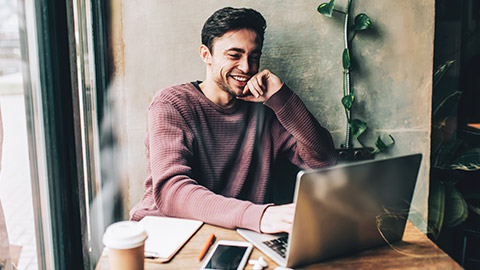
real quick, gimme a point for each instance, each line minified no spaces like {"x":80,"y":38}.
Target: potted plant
{"x":451,"y":159}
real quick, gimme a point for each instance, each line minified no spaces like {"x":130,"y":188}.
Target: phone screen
{"x":226,"y":257}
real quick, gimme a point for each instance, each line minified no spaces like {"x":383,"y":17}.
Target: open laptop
{"x":344,"y":209}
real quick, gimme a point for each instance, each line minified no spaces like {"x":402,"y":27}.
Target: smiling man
{"x":212,"y":146}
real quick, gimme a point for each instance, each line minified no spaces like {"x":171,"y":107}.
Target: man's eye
{"x":236,"y":56}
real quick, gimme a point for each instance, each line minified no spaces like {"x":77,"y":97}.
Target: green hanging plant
{"x":326,"y":8}
{"x":355,"y":127}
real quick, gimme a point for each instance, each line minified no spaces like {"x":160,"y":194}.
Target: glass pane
{"x":15,"y":180}
{"x":85,"y":64}
{"x":99,"y":152}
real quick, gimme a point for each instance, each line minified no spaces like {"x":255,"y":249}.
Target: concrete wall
{"x":392,"y":77}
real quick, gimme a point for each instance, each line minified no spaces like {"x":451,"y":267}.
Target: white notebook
{"x":167,"y":235}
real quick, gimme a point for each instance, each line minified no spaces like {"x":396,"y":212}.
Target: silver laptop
{"x":344,"y":209}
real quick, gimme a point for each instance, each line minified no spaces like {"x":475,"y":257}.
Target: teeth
{"x":242,"y":79}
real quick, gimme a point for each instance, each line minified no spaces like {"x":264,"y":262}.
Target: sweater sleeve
{"x":175,"y":192}
{"x":307,"y":144}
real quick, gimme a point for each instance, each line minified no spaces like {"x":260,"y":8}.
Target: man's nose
{"x":244,"y":65}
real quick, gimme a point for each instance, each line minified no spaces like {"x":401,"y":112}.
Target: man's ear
{"x":205,"y":54}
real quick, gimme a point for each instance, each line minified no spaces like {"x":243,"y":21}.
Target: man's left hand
{"x":278,"y":218}
{"x":261,"y":86}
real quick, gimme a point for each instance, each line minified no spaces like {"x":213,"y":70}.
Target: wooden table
{"x":415,"y":251}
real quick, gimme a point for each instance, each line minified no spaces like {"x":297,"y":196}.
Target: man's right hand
{"x":261,"y":86}
{"x":278,"y":218}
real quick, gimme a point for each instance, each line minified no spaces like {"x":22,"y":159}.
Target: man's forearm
{"x":313,"y":139}
{"x":184,"y":199}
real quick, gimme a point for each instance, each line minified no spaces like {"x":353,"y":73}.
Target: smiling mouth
{"x":240,"y":78}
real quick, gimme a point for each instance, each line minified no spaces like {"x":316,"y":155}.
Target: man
{"x":212,"y":146}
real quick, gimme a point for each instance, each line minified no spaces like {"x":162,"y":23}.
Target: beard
{"x":235,"y":92}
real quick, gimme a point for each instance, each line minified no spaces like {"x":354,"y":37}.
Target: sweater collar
{"x":194,"y":86}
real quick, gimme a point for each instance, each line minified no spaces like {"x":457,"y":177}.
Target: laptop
{"x":344,"y":209}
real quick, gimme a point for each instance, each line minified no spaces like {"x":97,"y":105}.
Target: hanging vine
{"x":355,"y":126}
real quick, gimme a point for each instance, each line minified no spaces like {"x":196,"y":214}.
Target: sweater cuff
{"x":278,"y":100}
{"x":253,"y":216}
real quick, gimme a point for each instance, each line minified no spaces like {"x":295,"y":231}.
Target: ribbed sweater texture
{"x":214,"y":164}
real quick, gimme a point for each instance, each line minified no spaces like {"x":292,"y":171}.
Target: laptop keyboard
{"x":279,"y":245}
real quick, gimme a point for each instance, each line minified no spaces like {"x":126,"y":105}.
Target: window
{"x":61,"y":46}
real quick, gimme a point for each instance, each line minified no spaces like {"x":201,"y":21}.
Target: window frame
{"x":51,"y":83}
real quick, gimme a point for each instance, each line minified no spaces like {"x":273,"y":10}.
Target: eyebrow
{"x":258,"y":51}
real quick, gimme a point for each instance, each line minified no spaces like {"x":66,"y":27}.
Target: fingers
{"x":255,"y":85}
{"x":285,"y":225}
{"x":262,"y":86}
{"x":290,"y":209}
{"x":278,"y":227}
{"x":287,"y":220}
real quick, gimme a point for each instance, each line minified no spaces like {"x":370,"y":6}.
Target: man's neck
{"x":211,"y":90}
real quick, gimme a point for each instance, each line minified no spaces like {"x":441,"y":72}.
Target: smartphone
{"x":228,"y":255}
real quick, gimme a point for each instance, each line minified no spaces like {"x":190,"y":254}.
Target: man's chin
{"x":236,"y":92}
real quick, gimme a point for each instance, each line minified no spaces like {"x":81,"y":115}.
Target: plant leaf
{"x":436,"y":207}
{"x":357,"y":127}
{"x":440,"y":71}
{"x":326,"y":8}
{"x":346,"y":59}
{"x":445,"y":156}
{"x":383,"y":146}
{"x":447,"y":107}
{"x":348,"y":100}
{"x":468,"y":161}
{"x":456,"y":209}
{"x":447,"y":176}
{"x":362,"y":22}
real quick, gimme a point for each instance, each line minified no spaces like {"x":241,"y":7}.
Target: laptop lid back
{"x":351,"y":207}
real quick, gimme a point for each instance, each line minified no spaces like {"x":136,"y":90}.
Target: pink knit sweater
{"x":214,"y":164}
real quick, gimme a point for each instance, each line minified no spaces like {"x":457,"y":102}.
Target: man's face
{"x":235,"y":58}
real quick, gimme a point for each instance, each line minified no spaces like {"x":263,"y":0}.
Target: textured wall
{"x":392,"y":77}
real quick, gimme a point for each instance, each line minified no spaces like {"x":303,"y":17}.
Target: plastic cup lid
{"x":124,"y":235}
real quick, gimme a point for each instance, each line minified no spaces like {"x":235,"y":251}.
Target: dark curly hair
{"x":227,"y":19}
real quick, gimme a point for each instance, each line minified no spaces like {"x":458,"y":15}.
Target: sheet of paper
{"x":167,"y":235}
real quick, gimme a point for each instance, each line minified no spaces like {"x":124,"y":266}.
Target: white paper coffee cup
{"x":126,"y":243}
